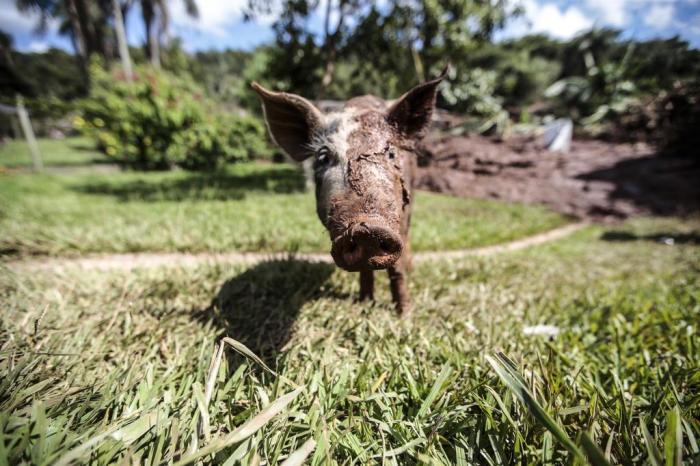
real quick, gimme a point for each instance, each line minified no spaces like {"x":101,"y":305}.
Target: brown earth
{"x":596,"y":180}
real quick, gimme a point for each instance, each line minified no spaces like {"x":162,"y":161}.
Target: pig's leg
{"x":366,"y":285}
{"x":398,"y":278}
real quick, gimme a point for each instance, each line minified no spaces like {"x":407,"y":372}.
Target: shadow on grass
{"x":200,"y":186}
{"x":83,"y":146}
{"x":663,"y":238}
{"x":259,"y":307}
{"x":661,"y":184}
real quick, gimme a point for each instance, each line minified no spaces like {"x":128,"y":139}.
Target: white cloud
{"x":693,"y":25}
{"x":38,"y":46}
{"x":14,"y":22}
{"x":659,"y":17}
{"x":215,"y":16}
{"x":558,"y":23}
{"x":612,"y":12}
{"x":22,"y":26}
{"x":549,"y":19}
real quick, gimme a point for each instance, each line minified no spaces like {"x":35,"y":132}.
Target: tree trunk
{"x":152,"y":44}
{"x":330,"y":45}
{"x":155,"y":51}
{"x":79,"y":41}
{"x":121,"y":40}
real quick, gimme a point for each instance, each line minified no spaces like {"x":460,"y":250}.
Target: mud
{"x":364,"y":166}
{"x":596,"y":180}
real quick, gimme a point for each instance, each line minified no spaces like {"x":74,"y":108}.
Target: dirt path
{"x":152,"y":260}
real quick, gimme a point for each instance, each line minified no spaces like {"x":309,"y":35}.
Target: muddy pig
{"x":364,"y":161}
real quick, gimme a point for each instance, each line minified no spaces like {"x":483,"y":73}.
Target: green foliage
{"x":378,"y":51}
{"x":472,"y":91}
{"x":669,"y":119}
{"x":50,"y":83}
{"x":161,"y":121}
{"x":605,"y":82}
{"x":602,"y":94}
{"x":51,"y":74}
{"x":210,"y":144}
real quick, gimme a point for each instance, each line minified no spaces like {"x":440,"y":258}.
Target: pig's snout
{"x":365,"y":246}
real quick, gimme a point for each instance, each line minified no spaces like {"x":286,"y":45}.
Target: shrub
{"x":161,"y":121}
{"x":669,"y":120}
{"x":209,"y":144}
{"x":472,"y":92}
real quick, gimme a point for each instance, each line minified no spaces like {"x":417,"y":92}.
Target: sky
{"x":220,"y":24}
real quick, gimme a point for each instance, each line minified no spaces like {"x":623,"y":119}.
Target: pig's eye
{"x":392,"y":153}
{"x":324,"y":156}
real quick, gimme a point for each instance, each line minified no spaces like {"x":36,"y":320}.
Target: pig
{"x":364,"y":162}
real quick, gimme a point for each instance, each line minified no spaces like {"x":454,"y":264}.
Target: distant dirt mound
{"x":596,"y":180}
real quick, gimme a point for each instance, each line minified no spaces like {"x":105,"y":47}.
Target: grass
{"x":247,"y":207}
{"x":73,"y":151}
{"x":115,"y":367}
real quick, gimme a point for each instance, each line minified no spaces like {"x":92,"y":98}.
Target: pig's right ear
{"x":291,"y":120}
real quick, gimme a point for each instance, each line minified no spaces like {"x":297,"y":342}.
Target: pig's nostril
{"x":389,"y":246}
{"x":367,"y":245}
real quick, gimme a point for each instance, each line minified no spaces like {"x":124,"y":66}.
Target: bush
{"x":225,"y":139}
{"x":472,"y":92}
{"x":161,"y":121}
{"x":669,"y":120}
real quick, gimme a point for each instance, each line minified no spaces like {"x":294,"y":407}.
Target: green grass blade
{"x":594,"y":454}
{"x":244,"y":431}
{"x":504,"y":367}
{"x":653,"y":452}
{"x":77,"y":452}
{"x":435,"y":391}
{"x":402,"y":449}
{"x":245,"y":351}
{"x":299,"y":456}
{"x":673,"y":438}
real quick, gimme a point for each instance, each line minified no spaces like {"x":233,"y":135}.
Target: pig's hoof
{"x":404,"y":311}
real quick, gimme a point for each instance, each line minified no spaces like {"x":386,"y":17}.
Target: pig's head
{"x":361,"y":157}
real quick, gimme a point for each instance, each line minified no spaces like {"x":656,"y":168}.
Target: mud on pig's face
{"x":359,"y":157}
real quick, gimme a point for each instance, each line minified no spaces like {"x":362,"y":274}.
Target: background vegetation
{"x":159,"y":121}
{"x":597,"y":78}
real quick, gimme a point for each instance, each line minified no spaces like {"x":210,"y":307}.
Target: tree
{"x":87,"y":22}
{"x":156,"y":21}
{"x":11,"y":81}
{"x":310,"y":64}
{"x":408,"y":39}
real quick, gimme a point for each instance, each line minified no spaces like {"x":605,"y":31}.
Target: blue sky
{"x":221,"y":26}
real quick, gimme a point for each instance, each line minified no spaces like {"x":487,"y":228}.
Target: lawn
{"x":113,"y":366}
{"x":74,"y":151}
{"x":246,"y":207}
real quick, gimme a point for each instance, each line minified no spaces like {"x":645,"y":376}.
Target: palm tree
{"x":85,"y":21}
{"x":156,"y":20}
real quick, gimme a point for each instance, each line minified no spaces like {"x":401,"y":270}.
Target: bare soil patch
{"x":596,"y":180}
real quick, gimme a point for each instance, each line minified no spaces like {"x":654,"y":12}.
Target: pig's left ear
{"x":411,"y":112}
{"x":291,"y":120}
